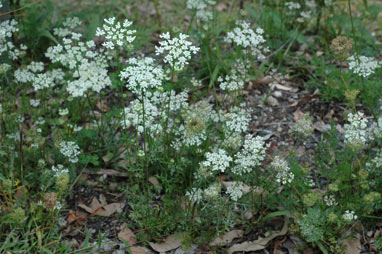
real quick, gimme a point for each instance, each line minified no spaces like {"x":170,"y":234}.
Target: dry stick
{"x":21,"y":8}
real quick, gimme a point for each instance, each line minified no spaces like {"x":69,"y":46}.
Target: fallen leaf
{"x":170,"y":243}
{"x":127,"y":235}
{"x":352,"y":246}
{"x":77,"y":216}
{"x":227,"y":238}
{"x":321,"y":126}
{"x":298,"y":114}
{"x":97,"y":209}
{"x":281,"y":87}
{"x":259,"y":244}
{"x":153,"y":180}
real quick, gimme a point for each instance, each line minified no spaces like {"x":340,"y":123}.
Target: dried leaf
{"x":298,"y":114}
{"x":352,"y":246}
{"x":127,"y":235}
{"x":153,"y":180}
{"x":170,"y":243}
{"x":281,"y":87}
{"x":260,"y":243}
{"x":97,"y":209}
{"x":227,"y":238}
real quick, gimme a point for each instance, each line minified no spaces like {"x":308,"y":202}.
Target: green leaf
{"x":278,"y":213}
{"x":214,"y":75}
{"x":322,"y":248}
{"x":47,"y":34}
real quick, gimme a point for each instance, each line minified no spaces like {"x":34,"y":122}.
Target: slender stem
{"x":156,"y":6}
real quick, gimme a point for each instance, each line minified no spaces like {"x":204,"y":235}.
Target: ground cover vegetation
{"x":193,"y":126}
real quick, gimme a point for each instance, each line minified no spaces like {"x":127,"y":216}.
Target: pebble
{"x":272,"y":101}
{"x":278,"y":94}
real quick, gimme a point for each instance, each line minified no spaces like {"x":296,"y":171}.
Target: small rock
{"x":272,"y":101}
{"x":278,"y":94}
{"x":248,"y":215}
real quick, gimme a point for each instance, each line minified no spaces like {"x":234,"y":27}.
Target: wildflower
{"x":330,"y":200}
{"x":4,"y":68}
{"x":142,"y":74}
{"x":349,"y":216}
{"x":293,"y":5}
{"x":372,"y":197}
{"x":356,"y":130}
{"x":91,"y":76}
{"x":59,"y":170}
{"x":7,"y":28}
{"x":178,"y":50}
{"x":252,"y":154}
{"x":284,"y":174}
{"x":363,"y":66}
{"x":116,"y":33}
{"x":195,"y":82}
{"x":218,"y":161}
{"x":244,"y":36}
{"x":50,"y":200}
{"x":235,"y":191}
{"x":41,"y":81}
{"x":63,"y":111}
{"x":200,"y":8}
{"x":235,"y":80}
{"x":310,"y":198}
{"x":69,"y":23}
{"x":341,"y":46}
{"x":303,"y":127}
{"x":70,"y":150}
{"x":212,"y":192}
{"x":34,"y":103}
{"x":237,"y":120}
{"x":195,"y":195}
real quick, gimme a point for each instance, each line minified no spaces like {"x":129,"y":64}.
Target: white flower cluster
{"x":356,"y":131}
{"x":155,"y":105}
{"x":4,"y":68}
{"x":235,"y":191}
{"x":377,"y":128}
{"x":142,"y":74}
{"x":69,"y":23}
{"x":115,"y":33}
{"x":217,"y":161}
{"x":349,"y":216}
{"x":70,"y":150}
{"x":7,"y":28}
{"x":91,"y":76}
{"x":303,"y":127}
{"x":195,"y":195}
{"x":34,"y":102}
{"x":244,"y":36}
{"x":59,"y":170}
{"x":1,"y":4}
{"x":237,"y":120}
{"x":363,"y":66}
{"x":200,"y":8}
{"x":330,"y":200}
{"x":284,"y":174}
{"x":250,"y":156}
{"x":293,"y":5}
{"x":178,"y":50}
{"x":32,"y":74}
{"x":212,"y":192}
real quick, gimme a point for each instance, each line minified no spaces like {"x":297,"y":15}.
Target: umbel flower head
{"x":363,"y":66}
{"x":142,"y":74}
{"x":115,"y":33}
{"x":356,"y":130}
{"x":244,"y":36}
{"x":341,"y":47}
{"x":178,"y":50}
